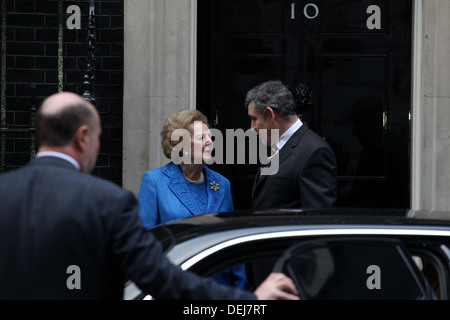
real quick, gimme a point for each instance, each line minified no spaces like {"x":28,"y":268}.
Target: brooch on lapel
{"x":214,"y":186}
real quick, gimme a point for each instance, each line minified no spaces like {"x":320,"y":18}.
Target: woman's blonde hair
{"x":180,"y":120}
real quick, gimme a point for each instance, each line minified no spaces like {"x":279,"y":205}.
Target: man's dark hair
{"x":57,"y":129}
{"x":272,"y":94}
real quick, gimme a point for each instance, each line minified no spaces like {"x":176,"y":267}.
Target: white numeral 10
{"x":305,"y":11}
{"x":293,"y":11}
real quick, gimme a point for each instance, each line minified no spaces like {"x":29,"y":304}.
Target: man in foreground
{"x":56,"y":220}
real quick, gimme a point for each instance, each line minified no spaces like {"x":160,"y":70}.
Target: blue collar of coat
{"x":178,"y":185}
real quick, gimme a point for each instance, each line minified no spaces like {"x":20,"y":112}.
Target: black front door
{"x":356,"y":57}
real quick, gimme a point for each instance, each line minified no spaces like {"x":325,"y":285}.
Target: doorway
{"x":355,"y":55}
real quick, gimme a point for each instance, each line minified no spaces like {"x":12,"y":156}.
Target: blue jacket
{"x":165,"y":196}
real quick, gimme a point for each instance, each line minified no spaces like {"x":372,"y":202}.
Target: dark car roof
{"x":316,"y":216}
{"x":214,"y":223}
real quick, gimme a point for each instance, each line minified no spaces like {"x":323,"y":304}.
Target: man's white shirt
{"x":59,"y":155}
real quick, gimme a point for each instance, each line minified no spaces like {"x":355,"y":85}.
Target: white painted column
{"x":159,"y":78}
{"x":431,"y":113}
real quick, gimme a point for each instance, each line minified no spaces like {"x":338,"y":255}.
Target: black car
{"x":330,"y":254}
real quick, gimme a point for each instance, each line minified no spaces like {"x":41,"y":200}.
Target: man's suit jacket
{"x":53,"y":217}
{"x":306,"y":176}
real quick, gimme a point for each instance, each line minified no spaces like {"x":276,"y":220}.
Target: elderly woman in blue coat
{"x":186,"y":186}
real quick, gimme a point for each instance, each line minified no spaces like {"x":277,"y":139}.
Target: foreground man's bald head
{"x":69,"y":124}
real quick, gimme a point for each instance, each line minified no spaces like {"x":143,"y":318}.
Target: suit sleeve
{"x":140,"y":255}
{"x":318,"y":180}
{"x":148,"y":201}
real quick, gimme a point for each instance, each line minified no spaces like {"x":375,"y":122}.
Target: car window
{"x":432,"y":261}
{"x":354,"y":269}
{"x":427,"y":263}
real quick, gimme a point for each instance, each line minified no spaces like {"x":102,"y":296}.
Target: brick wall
{"x":32,"y":60}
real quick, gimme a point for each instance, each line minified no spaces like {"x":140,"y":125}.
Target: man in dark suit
{"x":65,"y":234}
{"x":302,"y":168}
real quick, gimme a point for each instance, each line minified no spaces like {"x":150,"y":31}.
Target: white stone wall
{"x":431,"y":116}
{"x":158,"y":67}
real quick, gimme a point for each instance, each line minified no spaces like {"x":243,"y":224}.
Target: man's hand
{"x":277,"y":286}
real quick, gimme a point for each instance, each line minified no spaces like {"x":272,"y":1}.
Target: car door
{"x":355,"y":268}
